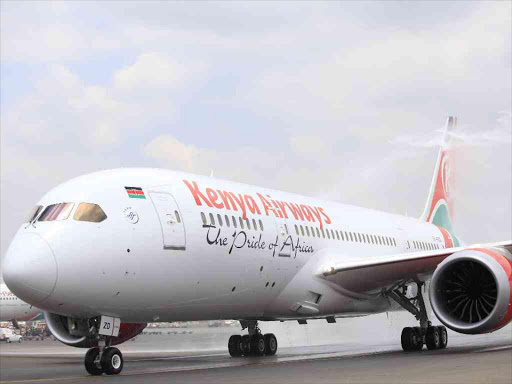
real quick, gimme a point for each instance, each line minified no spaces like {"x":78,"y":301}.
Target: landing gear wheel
{"x":418,"y":339}
{"x":411,"y":339}
{"x":270,"y":344}
{"x":443,"y":337}
{"x":235,"y":346}
{"x":258,"y":344}
{"x":91,"y":365}
{"x":433,"y":339}
{"x":246,"y":345}
{"x":112,"y":361}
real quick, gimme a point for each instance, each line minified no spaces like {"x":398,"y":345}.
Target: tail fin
{"x":439,"y":209}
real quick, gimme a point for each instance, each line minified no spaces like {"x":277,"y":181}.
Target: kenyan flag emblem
{"x":135,"y":192}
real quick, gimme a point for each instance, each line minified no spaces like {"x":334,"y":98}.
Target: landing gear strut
{"x":253,"y":344}
{"x":104,"y":359}
{"x":413,"y":338}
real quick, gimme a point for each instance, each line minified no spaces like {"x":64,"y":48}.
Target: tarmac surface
{"x":468,"y":359}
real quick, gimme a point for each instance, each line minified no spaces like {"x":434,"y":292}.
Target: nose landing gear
{"x":253,"y":344}
{"x":108,"y":360}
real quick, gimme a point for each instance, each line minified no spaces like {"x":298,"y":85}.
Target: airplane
{"x":13,"y":309}
{"x":108,"y":252}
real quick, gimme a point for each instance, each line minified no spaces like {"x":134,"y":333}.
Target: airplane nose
{"x":29,"y":268}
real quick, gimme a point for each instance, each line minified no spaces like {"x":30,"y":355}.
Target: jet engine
{"x":471,"y":290}
{"x":82,"y":333}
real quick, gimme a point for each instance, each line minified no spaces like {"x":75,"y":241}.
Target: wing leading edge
{"x":376,"y":273}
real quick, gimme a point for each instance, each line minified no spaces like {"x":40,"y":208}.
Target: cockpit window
{"x":89,"y":212}
{"x":59,"y":211}
{"x":33,"y":214}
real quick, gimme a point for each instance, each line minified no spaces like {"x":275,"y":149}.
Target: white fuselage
{"x":13,"y":308}
{"x":145,"y":263}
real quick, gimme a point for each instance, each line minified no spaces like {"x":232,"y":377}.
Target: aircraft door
{"x":171,"y":220}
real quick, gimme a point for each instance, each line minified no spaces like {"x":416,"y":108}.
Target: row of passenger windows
{"x":231,"y":220}
{"x":425,"y":245}
{"x":333,"y":234}
{"x":84,"y":212}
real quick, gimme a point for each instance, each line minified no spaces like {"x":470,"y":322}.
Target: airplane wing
{"x":376,"y":273}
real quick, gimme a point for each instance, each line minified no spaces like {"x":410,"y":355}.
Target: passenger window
{"x":241,"y":223}
{"x":312,"y":231}
{"x":33,"y":214}
{"x":307,"y":231}
{"x":394,"y":242}
{"x":219,"y":219}
{"x":178,"y":218}
{"x":234,"y":221}
{"x":261,"y":226}
{"x":203,"y":218}
{"x":59,"y":211}
{"x":286,"y":229}
{"x":323,"y":233}
{"x":387,"y":240}
{"x":226,"y":218}
{"x":254,"y":225}
{"x":351,"y":239}
{"x":380,"y":240}
{"x":358,"y":237}
{"x":337,"y":235}
{"x":328,"y":236}
{"x":296,"y":230}
{"x":332,"y":234}
{"x":302,"y":230}
{"x":212,"y":220}
{"x":248,"y":223}
{"x":318,"y":232}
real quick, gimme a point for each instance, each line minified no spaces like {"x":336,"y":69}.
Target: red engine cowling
{"x":471,"y":290}
{"x":128,"y":331}
{"x":77,"y":332}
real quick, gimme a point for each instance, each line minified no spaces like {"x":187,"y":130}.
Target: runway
{"x":468,"y":359}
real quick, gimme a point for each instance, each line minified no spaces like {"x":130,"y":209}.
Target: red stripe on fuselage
{"x":448,"y":242}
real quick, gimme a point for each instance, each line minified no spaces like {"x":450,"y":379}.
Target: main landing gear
{"x":413,"y":338}
{"x":253,"y":344}
{"x":104,"y":359}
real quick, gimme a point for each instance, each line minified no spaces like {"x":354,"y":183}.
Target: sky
{"x":339,"y":100}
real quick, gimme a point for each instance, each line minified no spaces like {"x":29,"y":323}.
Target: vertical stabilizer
{"x":439,"y":209}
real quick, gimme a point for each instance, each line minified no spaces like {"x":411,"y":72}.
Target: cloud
{"x":152,"y":70}
{"x":341,"y":101}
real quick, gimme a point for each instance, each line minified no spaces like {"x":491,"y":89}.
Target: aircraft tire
{"x":443,"y":337}
{"x":411,"y":339}
{"x":235,"y":346}
{"x":433,"y":339}
{"x":246,"y":345}
{"x":270,"y":344}
{"x":90,"y":364}
{"x":258,"y":344}
{"x":112,"y":361}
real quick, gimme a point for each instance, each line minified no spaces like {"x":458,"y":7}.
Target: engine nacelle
{"x":471,"y":290}
{"x":82,"y":333}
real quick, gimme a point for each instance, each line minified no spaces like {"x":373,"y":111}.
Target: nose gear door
{"x":171,"y":220}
